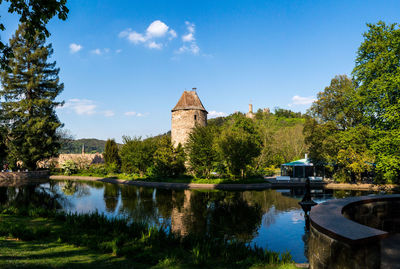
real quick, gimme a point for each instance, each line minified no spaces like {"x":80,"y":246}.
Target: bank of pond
{"x":74,"y":223}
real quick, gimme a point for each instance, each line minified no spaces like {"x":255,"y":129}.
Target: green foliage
{"x":337,"y":104}
{"x":285,"y":113}
{"x":334,"y":134}
{"x":35,"y":14}
{"x":168,"y":160}
{"x":111,"y":156}
{"x":200,"y":150}
{"x":69,"y":167}
{"x":137,"y":154}
{"x":238,"y":144}
{"x":377,"y":76}
{"x":92,"y":145}
{"x":29,"y":90}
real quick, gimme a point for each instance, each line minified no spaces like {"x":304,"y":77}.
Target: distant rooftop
{"x":189,"y":100}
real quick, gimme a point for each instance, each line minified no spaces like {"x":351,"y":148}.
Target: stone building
{"x":188,"y":112}
{"x":250,"y":114}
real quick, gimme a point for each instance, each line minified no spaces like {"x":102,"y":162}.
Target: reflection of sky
{"x":279,"y":230}
{"x":285,"y":233}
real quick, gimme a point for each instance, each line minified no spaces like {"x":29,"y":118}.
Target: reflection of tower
{"x":180,"y":215}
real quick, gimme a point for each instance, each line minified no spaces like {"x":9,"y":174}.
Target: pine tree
{"x":29,"y":90}
{"x":111,"y":156}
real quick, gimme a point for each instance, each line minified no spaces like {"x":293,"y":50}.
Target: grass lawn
{"x":48,"y":250}
{"x":182,"y":179}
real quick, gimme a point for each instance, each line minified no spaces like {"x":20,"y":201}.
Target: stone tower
{"x":188,"y":112}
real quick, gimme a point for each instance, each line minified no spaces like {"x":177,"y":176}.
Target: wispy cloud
{"x":133,"y":114}
{"x":74,"y":48}
{"x":299,"y":100}
{"x":157,"y":30}
{"x":108,"y":113}
{"x":96,"y":51}
{"x":214,"y":114}
{"x":80,"y":106}
{"x":189,"y":41}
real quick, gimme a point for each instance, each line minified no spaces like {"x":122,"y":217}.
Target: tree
{"x":337,"y":103}
{"x":111,"y":156}
{"x":34,"y":14}
{"x":201,"y":151}
{"x":168,"y":160}
{"x":239,"y":144}
{"x":137,"y":154}
{"x":28,"y":110}
{"x":377,"y":78}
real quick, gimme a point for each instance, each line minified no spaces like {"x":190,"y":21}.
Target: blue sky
{"x":125,"y":64}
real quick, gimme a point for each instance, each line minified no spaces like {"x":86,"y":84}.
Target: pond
{"x":269,"y":218}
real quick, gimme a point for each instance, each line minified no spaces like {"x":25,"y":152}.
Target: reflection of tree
{"x":69,"y":188}
{"x":222,"y":214}
{"x":164,"y":202}
{"x":138,"y":204}
{"x":111,"y":194}
{"x":33,"y":196}
{"x":78,"y":189}
{"x":235,"y":217}
{"x":3,"y":195}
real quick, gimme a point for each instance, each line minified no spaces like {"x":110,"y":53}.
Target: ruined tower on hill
{"x":188,"y":112}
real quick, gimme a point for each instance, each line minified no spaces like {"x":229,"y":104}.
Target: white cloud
{"x":189,"y":38}
{"x":74,"y":48}
{"x":118,"y":51}
{"x":96,"y":51}
{"x":299,"y":100}
{"x":156,"y":30}
{"x":214,"y":114}
{"x":172,"y":34}
{"x":154,"y":45}
{"x":80,"y":106}
{"x":133,"y":114}
{"x":100,"y":51}
{"x":108,"y":113}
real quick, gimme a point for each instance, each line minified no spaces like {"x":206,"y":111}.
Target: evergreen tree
{"x":29,"y":89}
{"x":111,"y":156}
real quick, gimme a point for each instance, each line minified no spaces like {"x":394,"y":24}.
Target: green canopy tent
{"x":302,"y":168}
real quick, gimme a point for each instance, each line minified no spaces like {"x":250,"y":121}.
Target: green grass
{"x":38,"y":238}
{"x":182,"y":179}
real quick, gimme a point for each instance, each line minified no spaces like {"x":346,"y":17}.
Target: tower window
{"x":195,"y":117}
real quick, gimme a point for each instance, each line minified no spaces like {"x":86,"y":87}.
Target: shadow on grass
{"x":42,"y":254}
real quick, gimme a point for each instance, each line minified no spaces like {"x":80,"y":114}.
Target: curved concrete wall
{"x":356,"y":232}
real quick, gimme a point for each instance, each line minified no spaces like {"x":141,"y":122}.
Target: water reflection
{"x":271,"y":218}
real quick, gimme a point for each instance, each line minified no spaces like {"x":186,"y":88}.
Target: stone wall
{"x":382,"y":215}
{"x":325,"y":252}
{"x":182,"y":123}
{"x":8,"y":179}
{"x":82,"y":160}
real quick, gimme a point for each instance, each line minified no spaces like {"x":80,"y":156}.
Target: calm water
{"x":270,"y":218}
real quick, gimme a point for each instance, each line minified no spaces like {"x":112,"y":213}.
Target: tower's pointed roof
{"x":189,"y":100}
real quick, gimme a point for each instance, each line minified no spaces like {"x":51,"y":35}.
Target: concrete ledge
{"x":23,"y":178}
{"x":328,"y":219}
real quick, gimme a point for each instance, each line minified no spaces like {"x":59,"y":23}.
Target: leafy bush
{"x":69,"y":167}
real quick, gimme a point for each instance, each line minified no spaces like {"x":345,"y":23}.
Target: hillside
{"x":92,"y":145}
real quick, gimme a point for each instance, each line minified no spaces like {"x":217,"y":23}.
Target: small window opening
{"x":195,"y":117}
